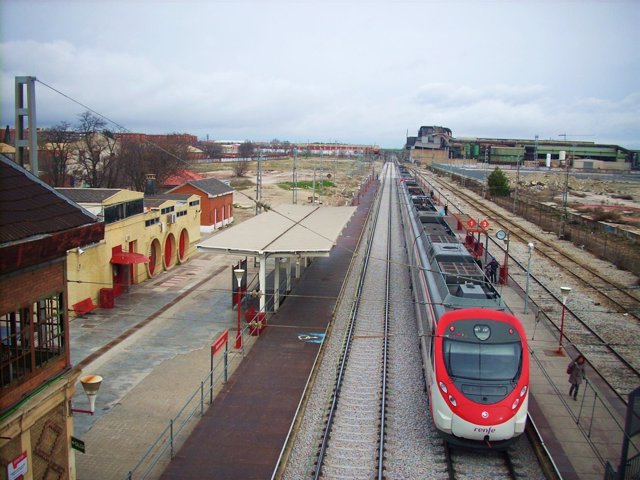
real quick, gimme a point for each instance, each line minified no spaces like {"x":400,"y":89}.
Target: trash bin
{"x":106,"y":298}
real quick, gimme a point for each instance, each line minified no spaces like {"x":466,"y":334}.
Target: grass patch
{"x":241,"y":183}
{"x":307,"y":185}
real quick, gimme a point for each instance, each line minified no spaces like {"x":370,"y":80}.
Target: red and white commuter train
{"x":475,"y":354}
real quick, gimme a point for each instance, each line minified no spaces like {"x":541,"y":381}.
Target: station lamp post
{"x":504,"y":270}
{"x":90,"y":385}
{"x":565,"y":291}
{"x":526,"y":292}
{"x":239,"y":273}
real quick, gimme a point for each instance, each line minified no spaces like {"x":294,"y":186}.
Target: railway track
{"x":380,"y":427}
{"x":464,"y":464}
{"x":352,"y":443}
{"x":604,"y":328}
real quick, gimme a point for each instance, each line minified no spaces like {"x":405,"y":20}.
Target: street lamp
{"x":565,"y":294}
{"x":90,"y":385}
{"x":239,"y":273}
{"x":526,"y":293}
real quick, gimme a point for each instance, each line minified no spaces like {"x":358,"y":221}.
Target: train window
{"x":482,"y":361}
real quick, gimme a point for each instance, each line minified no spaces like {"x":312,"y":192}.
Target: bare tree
{"x":240,"y":168}
{"x":95,"y":152}
{"x":162,"y":158}
{"x":212,"y":149}
{"x":246,"y":150}
{"x":56,"y":144}
{"x":133,"y":157}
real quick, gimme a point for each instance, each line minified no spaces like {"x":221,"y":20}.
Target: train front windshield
{"x":474,"y":361}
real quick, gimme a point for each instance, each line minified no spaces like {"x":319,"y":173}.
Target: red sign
{"x":17,"y":468}
{"x":484,"y":224}
{"x":471,"y":223}
{"x":220,"y":342}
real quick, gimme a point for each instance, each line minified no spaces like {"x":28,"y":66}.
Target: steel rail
{"x":344,"y":357}
{"x":385,"y":347}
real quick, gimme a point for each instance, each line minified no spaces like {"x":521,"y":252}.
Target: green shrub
{"x":498,"y":183}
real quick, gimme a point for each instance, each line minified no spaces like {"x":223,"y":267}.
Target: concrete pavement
{"x":149,"y":373}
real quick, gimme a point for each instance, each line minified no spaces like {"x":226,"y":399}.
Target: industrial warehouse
{"x":434,"y":144}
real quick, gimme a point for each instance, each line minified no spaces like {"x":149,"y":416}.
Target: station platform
{"x":580,"y":435}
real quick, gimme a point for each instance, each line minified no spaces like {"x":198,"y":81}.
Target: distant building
{"x":38,"y":226}
{"x":431,"y":145}
{"x":437,"y":145}
{"x":216,"y":200}
{"x":337,"y":149}
{"x":180,"y":178}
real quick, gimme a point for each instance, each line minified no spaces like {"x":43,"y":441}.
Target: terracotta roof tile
{"x":30,"y":208}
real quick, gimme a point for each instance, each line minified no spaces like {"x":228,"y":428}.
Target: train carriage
{"x":477,"y":367}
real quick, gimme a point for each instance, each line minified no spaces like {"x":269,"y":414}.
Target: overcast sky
{"x":349,"y":71}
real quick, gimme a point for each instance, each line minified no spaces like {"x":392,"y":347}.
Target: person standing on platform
{"x":576,"y":375}
{"x":492,"y":270}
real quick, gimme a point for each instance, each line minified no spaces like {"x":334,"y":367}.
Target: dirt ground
{"x":345,"y":174}
{"x":586,"y":195}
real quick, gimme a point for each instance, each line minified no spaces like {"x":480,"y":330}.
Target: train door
{"x":120,"y":273}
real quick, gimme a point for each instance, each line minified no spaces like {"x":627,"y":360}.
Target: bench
{"x":84,"y":306}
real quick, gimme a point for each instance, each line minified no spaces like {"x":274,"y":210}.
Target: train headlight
{"x":482,"y":332}
{"x":523,"y":391}
{"x":443,"y":387}
{"x":453,"y":401}
{"x":515,"y":404}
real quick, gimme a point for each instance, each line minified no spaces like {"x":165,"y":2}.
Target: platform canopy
{"x":285,"y":231}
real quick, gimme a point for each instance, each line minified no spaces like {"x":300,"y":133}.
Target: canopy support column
{"x":276,"y":285}
{"x":263,"y":281}
{"x":288,"y":266}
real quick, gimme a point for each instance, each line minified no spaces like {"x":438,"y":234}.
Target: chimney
{"x":150,"y":185}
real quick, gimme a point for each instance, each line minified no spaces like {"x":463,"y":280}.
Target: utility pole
{"x":515,"y":196}
{"x":313,"y":198}
{"x":26,"y":139}
{"x":485,"y":166}
{"x":259,"y":184}
{"x":294,"y":180}
{"x":565,"y":192}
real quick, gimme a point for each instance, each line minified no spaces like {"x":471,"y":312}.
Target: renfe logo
{"x":484,"y":429}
